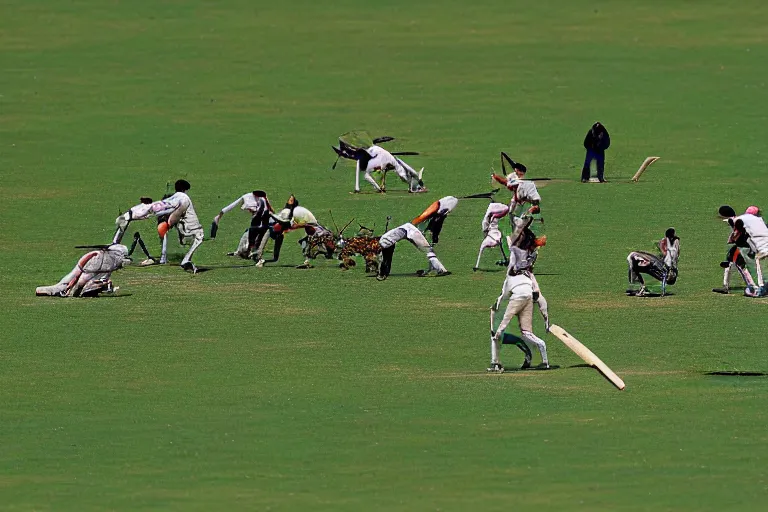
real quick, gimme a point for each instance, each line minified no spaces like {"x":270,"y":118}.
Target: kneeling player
{"x":662,"y":268}
{"x":91,"y":275}
{"x":407,"y":231}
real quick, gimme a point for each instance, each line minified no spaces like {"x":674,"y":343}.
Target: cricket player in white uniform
{"x":144,"y":210}
{"x":518,"y":289}
{"x":411,"y":233}
{"x":736,"y":257}
{"x":523,"y":192}
{"x":181,"y":215}
{"x":490,"y":225}
{"x":436,"y":214}
{"x":754,"y":227}
{"x":91,"y":275}
{"x":255,"y":237}
{"x":376,"y":158}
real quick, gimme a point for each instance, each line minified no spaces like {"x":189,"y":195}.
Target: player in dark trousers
{"x":596,"y":142}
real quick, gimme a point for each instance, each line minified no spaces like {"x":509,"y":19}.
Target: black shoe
{"x":381,"y":277}
{"x":474,"y":269}
{"x":443,"y":273}
{"x":422,"y":273}
{"x":585,"y":181}
{"x":189,"y":267}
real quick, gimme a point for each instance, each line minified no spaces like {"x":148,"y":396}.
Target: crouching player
{"x":409,"y":232}
{"x":736,"y":257}
{"x":91,"y":275}
{"x":519,"y":290}
{"x":753,"y":227}
{"x":662,"y":268}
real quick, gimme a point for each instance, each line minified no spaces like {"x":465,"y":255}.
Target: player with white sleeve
{"x":409,"y":232}
{"x":518,"y":289}
{"x":91,"y":275}
{"x":493,"y":214}
{"x":377,"y":158}
{"x":181,"y":215}
{"x":754,"y":227}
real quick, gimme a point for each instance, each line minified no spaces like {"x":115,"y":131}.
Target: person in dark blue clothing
{"x":596,"y":142}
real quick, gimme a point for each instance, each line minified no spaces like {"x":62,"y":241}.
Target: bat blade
{"x":646,"y":163}
{"x":586,"y":355}
{"x":214,"y":229}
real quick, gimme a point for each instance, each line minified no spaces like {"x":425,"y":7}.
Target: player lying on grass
{"x":753,"y":227}
{"x":662,"y":268}
{"x":182,"y":216}
{"x":91,"y":275}
{"x":737,"y":254}
{"x":257,"y":204}
{"x":520,"y":292}
{"x":409,"y":232}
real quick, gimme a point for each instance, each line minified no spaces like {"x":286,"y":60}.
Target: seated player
{"x":662,"y":267}
{"x":409,"y":232}
{"x":91,"y":275}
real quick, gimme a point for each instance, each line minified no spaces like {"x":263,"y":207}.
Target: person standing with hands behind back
{"x":596,"y":142}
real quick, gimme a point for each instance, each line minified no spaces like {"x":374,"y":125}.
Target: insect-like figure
{"x":364,"y":244}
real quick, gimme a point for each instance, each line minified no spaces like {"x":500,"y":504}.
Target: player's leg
{"x":489,"y":241}
{"x":386,"y":262}
{"x":357,"y":176}
{"x":585,"y":170}
{"x":417,"y":239}
{"x":186,"y":262}
{"x":525,"y":319}
{"x":121,"y":224}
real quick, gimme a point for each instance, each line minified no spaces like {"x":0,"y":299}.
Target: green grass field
{"x":285,"y":389}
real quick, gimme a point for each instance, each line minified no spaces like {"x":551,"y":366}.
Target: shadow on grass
{"x":736,"y":374}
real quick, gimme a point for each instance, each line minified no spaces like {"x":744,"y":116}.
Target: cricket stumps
{"x":586,"y":355}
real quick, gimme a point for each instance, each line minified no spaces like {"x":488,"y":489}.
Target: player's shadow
{"x":736,"y":374}
{"x":112,"y":296}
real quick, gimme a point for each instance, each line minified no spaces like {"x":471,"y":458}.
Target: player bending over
{"x":753,"y":227}
{"x":518,"y":290}
{"x":182,"y":216}
{"x":376,"y":158}
{"x":490,"y":225}
{"x":662,"y":268}
{"x":91,"y":275}
{"x":257,"y":204}
{"x":409,"y":232}
{"x":436,"y":214}
{"x":736,"y":257}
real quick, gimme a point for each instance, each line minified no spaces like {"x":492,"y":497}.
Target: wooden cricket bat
{"x":587,"y":355}
{"x":646,"y":163}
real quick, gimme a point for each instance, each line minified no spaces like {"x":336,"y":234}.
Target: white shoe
{"x":260,"y":263}
{"x":148,"y":262}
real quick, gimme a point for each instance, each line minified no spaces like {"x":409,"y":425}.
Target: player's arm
{"x":500,"y":179}
{"x":534,"y":207}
